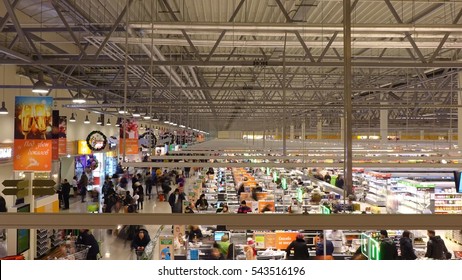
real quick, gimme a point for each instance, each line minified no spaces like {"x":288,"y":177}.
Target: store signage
{"x":33,"y":133}
{"x":283,"y":239}
{"x":370,"y":247}
{"x":166,"y":248}
{"x":82,"y":148}
{"x":128,"y":143}
{"x":6,"y":153}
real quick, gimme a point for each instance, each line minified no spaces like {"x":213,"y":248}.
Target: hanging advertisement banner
{"x":33,"y":133}
{"x":55,"y":134}
{"x":62,"y":134}
{"x":130,"y":136}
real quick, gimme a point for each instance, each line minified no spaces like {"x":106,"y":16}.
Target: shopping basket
{"x":73,"y":251}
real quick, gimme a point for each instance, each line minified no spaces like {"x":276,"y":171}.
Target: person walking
{"x":65,"y":193}
{"x":148,"y":182}
{"x":3,"y":205}
{"x":405,"y":246}
{"x":176,"y":201}
{"x":83,"y":183}
{"x":299,"y":247}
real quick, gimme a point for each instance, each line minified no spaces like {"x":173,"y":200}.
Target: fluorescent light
{"x":86,"y":121}
{"x":167,"y":122}
{"x":182,"y":126}
{"x":136,"y":114}
{"x":147,"y":117}
{"x":78,"y":98}
{"x":174,"y":124}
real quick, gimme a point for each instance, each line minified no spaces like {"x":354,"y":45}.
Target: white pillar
{"x":422,"y":135}
{"x":319,"y":128}
{"x":383,"y":123}
{"x":450,"y":133}
{"x":459,"y":111}
{"x":342,"y":132}
{"x":292,"y":132}
{"x":303,"y":131}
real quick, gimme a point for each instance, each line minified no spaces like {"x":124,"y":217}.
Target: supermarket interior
{"x":230,"y":130}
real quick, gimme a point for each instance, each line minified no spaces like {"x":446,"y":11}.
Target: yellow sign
{"x":82,"y":148}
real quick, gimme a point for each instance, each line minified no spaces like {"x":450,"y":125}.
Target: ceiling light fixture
{"x":40,"y":86}
{"x":78,"y":98}
{"x":121,"y":110}
{"x":136,"y":114}
{"x":86,"y":121}
{"x":72,"y":118}
{"x":3,"y":110}
{"x":182,"y":126}
{"x":99,"y":121}
{"x":108,"y":122}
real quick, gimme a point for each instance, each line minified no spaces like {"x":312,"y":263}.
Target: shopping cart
{"x":73,"y":251}
{"x":145,"y":254}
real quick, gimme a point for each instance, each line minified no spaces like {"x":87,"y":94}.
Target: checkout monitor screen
{"x":218,"y":234}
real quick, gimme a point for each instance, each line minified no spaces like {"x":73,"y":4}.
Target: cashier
{"x":320,"y":246}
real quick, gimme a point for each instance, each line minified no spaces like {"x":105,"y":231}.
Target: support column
{"x":342,"y":129}
{"x":253,"y":137}
{"x":450,"y":133}
{"x":319,"y":128}
{"x":292,"y":132}
{"x":422,"y":134}
{"x":383,"y":122}
{"x":459,"y":111}
{"x":347,"y":106}
{"x":303,"y":131}
{"x":276,"y":133}
{"x":264,"y":138}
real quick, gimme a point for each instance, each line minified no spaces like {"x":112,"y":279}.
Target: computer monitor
{"x":219,"y":234}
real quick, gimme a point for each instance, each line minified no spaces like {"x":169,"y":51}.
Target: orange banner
{"x":283,"y":239}
{"x":131,"y":144}
{"x":32,"y":155}
{"x":55,"y":149}
{"x":62,"y":150}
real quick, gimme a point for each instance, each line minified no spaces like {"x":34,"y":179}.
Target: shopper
{"x":339,"y":182}
{"x":65,"y":192}
{"x":225,"y":209}
{"x":223,"y":244}
{"x":86,"y":238}
{"x":251,"y":244}
{"x":187,"y":169}
{"x":201,"y":203}
{"x":405,"y":246}
{"x":75,"y":185}
{"x":320,"y":247}
{"x":436,"y":248}
{"x":299,"y":247}
{"x":148,"y":182}
{"x":388,"y":249}
{"x":83,"y":183}
{"x":216,"y":254}
{"x":176,"y":200}
{"x":327,"y":177}
{"x":244,"y":209}
{"x":3,"y":205}
{"x":140,"y":193}
{"x":194,"y":234}
{"x":141,"y":240}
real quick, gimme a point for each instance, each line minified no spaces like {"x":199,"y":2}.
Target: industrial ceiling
{"x":244,"y":64}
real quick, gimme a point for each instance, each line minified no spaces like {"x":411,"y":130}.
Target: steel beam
{"x":114,"y":27}
{"x":232,"y":63}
